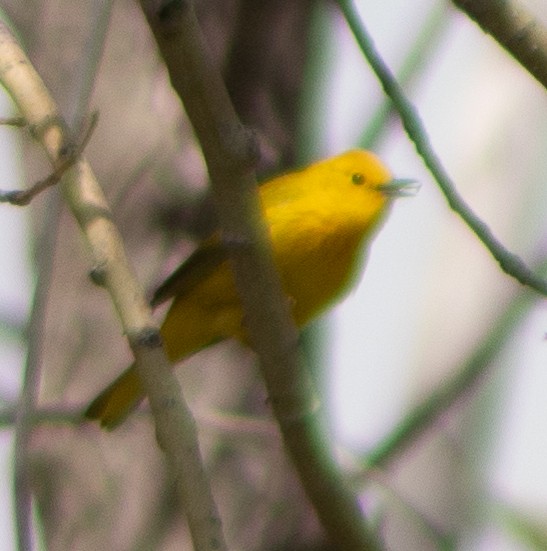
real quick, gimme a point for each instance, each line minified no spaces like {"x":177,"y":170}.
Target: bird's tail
{"x":118,"y":400}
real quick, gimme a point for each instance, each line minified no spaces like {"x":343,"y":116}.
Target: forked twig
{"x":67,"y":158}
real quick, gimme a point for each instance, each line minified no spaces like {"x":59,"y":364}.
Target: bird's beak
{"x":400,"y":187}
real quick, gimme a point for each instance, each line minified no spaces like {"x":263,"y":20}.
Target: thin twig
{"x":12,"y":325}
{"x":228,"y":426}
{"x":515,"y":27}
{"x":439,"y":536}
{"x":509,"y":262}
{"x":66,"y":159}
{"x":88,"y":65}
{"x":467,"y":376}
{"x":19,"y":122}
{"x":42,"y":415}
{"x":31,"y":380}
{"x":418,"y":55}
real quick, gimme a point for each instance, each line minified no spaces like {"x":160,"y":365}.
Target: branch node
{"x":37,"y":130}
{"x":240,"y":145}
{"x":171,"y":11}
{"x":236,"y":242}
{"x":148,"y":337}
{"x":97,"y":274}
{"x":67,"y":155}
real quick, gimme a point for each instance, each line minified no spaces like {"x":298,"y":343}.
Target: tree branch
{"x":509,"y":262}
{"x":28,"y":397}
{"x":515,"y":28}
{"x":174,"y":425}
{"x":466,"y":378}
{"x":230,"y":153}
{"x":65,"y":161}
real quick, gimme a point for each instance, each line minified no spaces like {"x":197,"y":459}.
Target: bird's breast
{"x":317,"y":259}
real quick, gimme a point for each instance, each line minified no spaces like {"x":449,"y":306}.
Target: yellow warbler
{"x":319,"y":219}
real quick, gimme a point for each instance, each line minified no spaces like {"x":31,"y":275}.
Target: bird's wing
{"x":199,"y":265}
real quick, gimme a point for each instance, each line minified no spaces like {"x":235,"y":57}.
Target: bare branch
{"x":174,"y":424}
{"x":229,"y":151}
{"x":515,"y":28}
{"x":20,"y":122}
{"x":66,"y":159}
{"x":509,"y":262}
{"x":465,"y":380}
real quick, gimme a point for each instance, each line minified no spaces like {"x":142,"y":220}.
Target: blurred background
{"x":432,"y":303}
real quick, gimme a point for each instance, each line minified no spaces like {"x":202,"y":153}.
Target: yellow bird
{"x":320,"y":219}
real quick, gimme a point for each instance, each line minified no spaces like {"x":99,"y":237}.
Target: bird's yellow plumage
{"x":319,"y":219}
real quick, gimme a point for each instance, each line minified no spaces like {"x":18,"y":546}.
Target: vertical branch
{"x":229,"y":151}
{"x":26,"y":407}
{"x":89,"y":67}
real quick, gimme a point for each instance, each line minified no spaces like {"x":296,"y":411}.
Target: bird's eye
{"x":357,"y":178}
